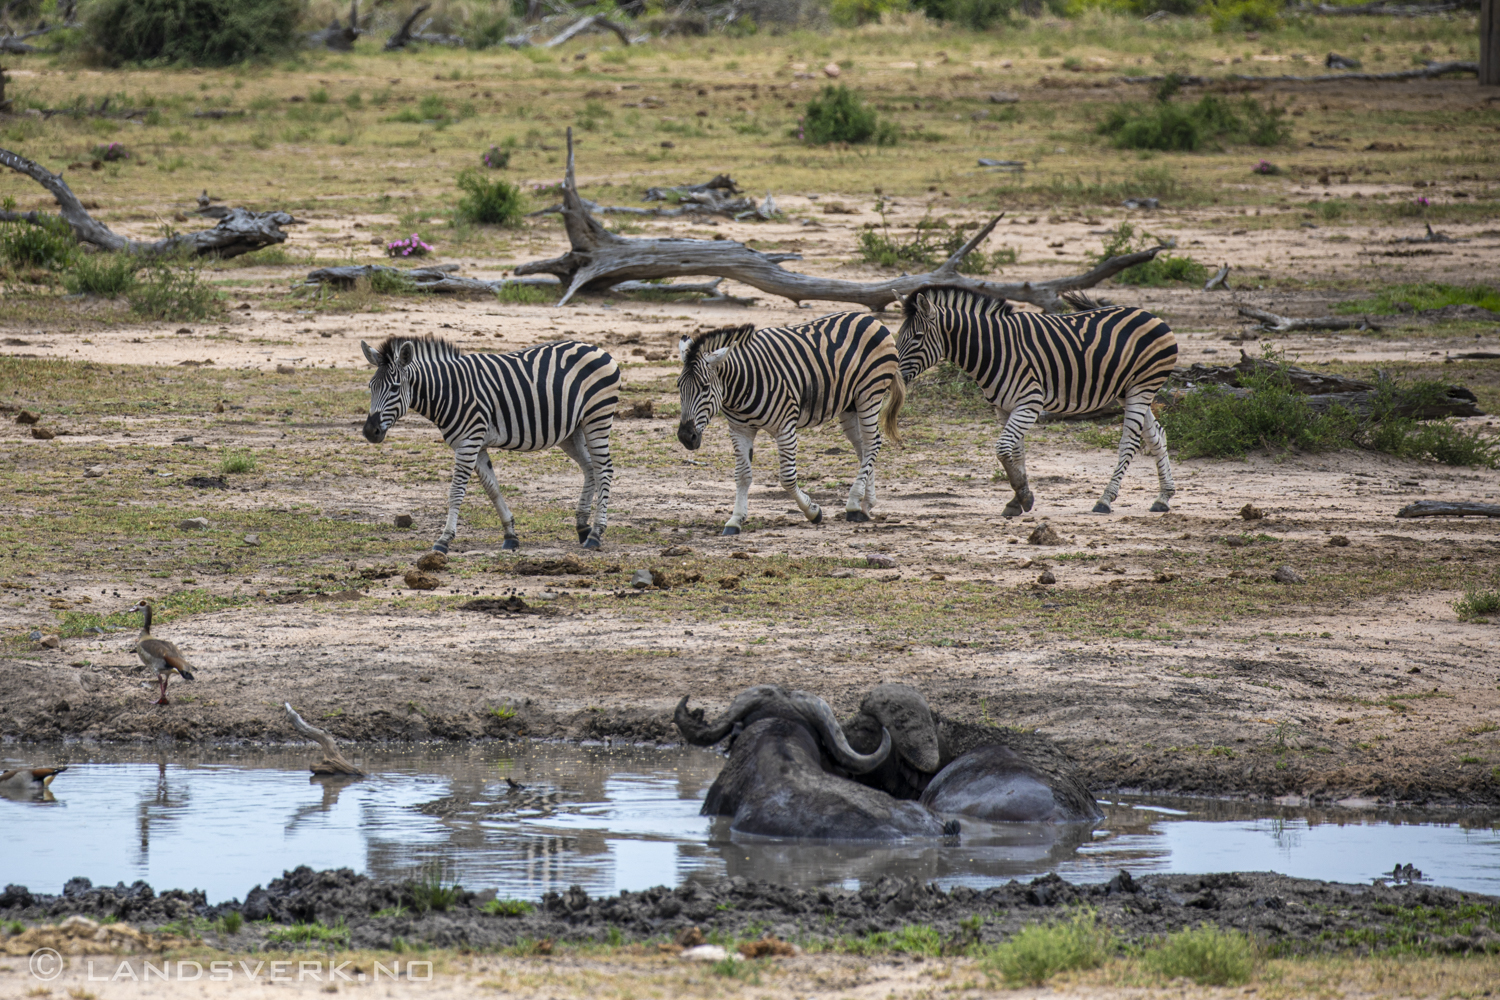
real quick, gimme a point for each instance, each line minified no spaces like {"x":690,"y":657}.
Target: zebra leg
{"x":862,"y":428}
{"x":464,"y":456}
{"x":491,"y":486}
{"x":743,"y":438}
{"x":576,"y":448}
{"x":596,"y":446}
{"x":1156,"y":444}
{"x":786,"y":448}
{"x":1137,"y":417}
{"x":1011,"y":450}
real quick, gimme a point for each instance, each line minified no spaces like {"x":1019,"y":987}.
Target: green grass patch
{"x":1164,"y":269}
{"x":433,"y":890}
{"x":507,"y":907}
{"x":841,"y":115}
{"x":1038,"y":952}
{"x":1181,"y":127}
{"x":315,"y":933}
{"x":49,"y":244}
{"x":1477,"y":604}
{"x":529,"y":295}
{"x":173,"y":291}
{"x":489,"y":201}
{"x":105,"y":274}
{"x":1206,"y":954}
{"x":1394,"y":299}
{"x":237,"y":461}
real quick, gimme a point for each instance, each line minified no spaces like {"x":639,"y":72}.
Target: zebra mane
{"x":712,"y":340}
{"x":957,"y":296}
{"x":427,"y":346}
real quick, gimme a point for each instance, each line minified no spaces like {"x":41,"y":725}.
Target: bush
{"x":489,"y":202}
{"x":495,"y":158}
{"x":1188,"y":127}
{"x":195,"y":32}
{"x":1206,"y":955}
{"x":529,"y":295}
{"x":841,"y":115}
{"x":106,"y":274}
{"x":1246,"y":15}
{"x":237,"y":461}
{"x":850,"y":13}
{"x":1476,"y":604}
{"x":49,"y":243}
{"x":173,"y":291}
{"x":1163,"y":269}
{"x":1038,"y":952}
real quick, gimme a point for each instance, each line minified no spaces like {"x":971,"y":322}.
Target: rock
{"x":1285,"y":574}
{"x":1004,"y":97}
{"x":431,"y":562}
{"x":1044,"y":534}
{"x":707,"y":953}
{"x":418,"y":580}
{"x":645,"y":409}
{"x":285,"y":370}
{"x":1165,"y":577}
{"x":676,"y":550}
{"x":739,"y":555}
{"x":1338,"y":542}
{"x":691,"y":937}
{"x":641,"y":579}
{"x":661,"y":579}
{"x":207,"y":483}
{"x":403,"y":520}
{"x":832,"y":71}
{"x":879,"y":560}
{"x":1047,"y":577}
{"x":51,"y":642}
{"x":41,"y":433}
{"x":93,"y":472}
{"x":252,"y":539}
{"x":27,"y":417}
{"x":1250,"y":512}
{"x":842,"y":574}
{"x":194,"y":524}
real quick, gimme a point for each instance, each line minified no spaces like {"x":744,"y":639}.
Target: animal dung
{"x":194,"y":524}
{"x":27,"y":417}
{"x":676,"y":550}
{"x":286,"y":370}
{"x":1285,"y":574}
{"x":767,"y":946}
{"x":1338,"y":542}
{"x":41,"y":433}
{"x":1047,"y":577}
{"x":433,"y":561}
{"x":1044,"y":534}
{"x":1250,"y":512}
{"x":417,"y":580}
{"x":403,"y":520}
{"x":879,"y":560}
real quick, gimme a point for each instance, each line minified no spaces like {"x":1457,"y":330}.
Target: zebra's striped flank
{"x":1028,"y":363}
{"x":561,"y":394}
{"x":782,"y":378}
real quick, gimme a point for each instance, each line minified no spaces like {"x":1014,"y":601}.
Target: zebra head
{"x":390,"y":386}
{"x":700,"y":386}
{"x":919,"y":343}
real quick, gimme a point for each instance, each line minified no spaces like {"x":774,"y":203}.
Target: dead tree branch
{"x":1449,"y":508}
{"x":440,"y":278}
{"x":240,"y":231}
{"x":1428,"y":72}
{"x":1283,"y":324}
{"x":333,"y":762}
{"x":1377,"y":9}
{"x":600,"y":259}
{"x":403,"y":35}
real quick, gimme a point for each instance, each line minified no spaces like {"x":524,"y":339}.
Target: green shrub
{"x":1206,"y":955}
{"x":532,"y":295}
{"x":507,"y":907}
{"x":194,"y":32}
{"x":488,"y":202}
{"x":850,"y":13}
{"x":313,"y":933}
{"x":1188,"y":127}
{"x":106,"y":274}
{"x":841,"y":115}
{"x":1163,"y":269}
{"x":1246,"y":15}
{"x":433,"y":890}
{"x":50,"y":243}
{"x":237,"y":461}
{"x":231,"y":923}
{"x":172,"y":290}
{"x":978,"y":15}
{"x":1038,"y":952}
{"x":1476,"y":604}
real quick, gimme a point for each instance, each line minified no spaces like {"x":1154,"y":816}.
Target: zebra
{"x":562,"y":393}
{"x":782,"y":378}
{"x":1029,"y":362}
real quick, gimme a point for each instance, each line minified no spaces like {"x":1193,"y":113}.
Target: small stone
{"x":431,"y":562}
{"x":41,"y":433}
{"x":1044,"y":534}
{"x":194,"y":524}
{"x":1285,"y":574}
{"x":708,"y":953}
{"x":676,"y":550}
{"x":418,"y":580}
{"x":51,"y":642}
{"x":842,"y":574}
{"x":1338,"y":542}
{"x":285,"y":370}
{"x":27,"y":417}
{"x":691,"y":937}
{"x":252,"y":539}
{"x":879,"y":560}
{"x":1047,"y":577}
{"x":1004,"y":97}
{"x":93,"y":472}
{"x":938,"y":576}
{"x":36,"y":636}
{"x":641,"y":579}
{"x":403,"y":520}
{"x":1165,"y":577}
{"x":1250,"y":512}
{"x":832,"y":71}
{"x":739,"y":555}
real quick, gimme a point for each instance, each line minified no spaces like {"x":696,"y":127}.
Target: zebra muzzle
{"x":689,"y":437}
{"x":373,"y":431}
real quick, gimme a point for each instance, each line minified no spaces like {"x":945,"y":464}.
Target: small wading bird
{"x":29,"y":780}
{"x":160,"y":655}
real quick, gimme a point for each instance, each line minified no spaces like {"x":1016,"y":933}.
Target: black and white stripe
{"x":782,"y":378}
{"x":561,"y":394}
{"x":1027,"y":363}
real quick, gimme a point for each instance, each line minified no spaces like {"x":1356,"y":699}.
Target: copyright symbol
{"x":46,"y":964}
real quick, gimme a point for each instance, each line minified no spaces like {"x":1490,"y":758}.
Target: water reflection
{"x":535,"y":819}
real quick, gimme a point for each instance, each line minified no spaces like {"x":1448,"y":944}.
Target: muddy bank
{"x":1290,"y":915}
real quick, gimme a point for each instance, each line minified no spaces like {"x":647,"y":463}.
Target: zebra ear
{"x":714,"y":357}
{"x":408,"y":354}
{"x":682,"y":348}
{"x":926,"y":311}
{"x":370,"y":354}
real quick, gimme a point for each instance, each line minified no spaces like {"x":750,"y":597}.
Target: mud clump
{"x":417,"y":580}
{"x":1044,"y":534}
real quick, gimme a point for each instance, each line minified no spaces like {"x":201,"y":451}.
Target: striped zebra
{"x":561,"y":394}
{"x":783,"y":378}
{"x":1026,"y":363}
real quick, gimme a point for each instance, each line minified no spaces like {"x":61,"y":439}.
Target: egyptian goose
{"x":29,"y":779}
{"x":160,"y":655}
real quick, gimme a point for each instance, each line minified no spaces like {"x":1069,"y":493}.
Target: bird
{"x":160,"y":655}
{"x":29,"y":780}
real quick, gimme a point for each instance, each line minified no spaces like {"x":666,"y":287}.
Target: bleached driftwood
{"x":441,"y":278}
{"x":1449,"y":508}
{"x":333,"y":762}
{"x":600,"y":259}
{"x":1428,"y":72}
{"x":1283,"y":324}
{"x":240,"y":231}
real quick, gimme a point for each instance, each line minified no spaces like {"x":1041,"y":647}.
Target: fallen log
{"x":1284,"y":324}
{"x":1432,"y":237}
{"x":713,"y":186}
{"x":1460,"y":402}
{"x":239,"y":232}
{"x":1449,"y":508}
{"x":600,"y":259}
{"x":1428,"y":72}
{"x":1302,"y":380}
{"x":333,"y":762}
{"x":402,"y":36}
{"x":441,"y":278}
{"x":337,"y":36}
{"x":734,"y":208}
{"x":1377,"y":9}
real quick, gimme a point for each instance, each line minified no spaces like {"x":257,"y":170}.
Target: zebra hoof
{"x":1160,"y":507}
{"x":857,"y":516}
{"x":591,"y":543}
{"x":1101,"y":508}
{"x":511,"y":544}
{"x":583,"y":535}
{"x":1028,"y":501}
{"x":730,"y":529}
{"x":440,"y":547}
{"x":818,"y":517}
{"x":1012,"y":509}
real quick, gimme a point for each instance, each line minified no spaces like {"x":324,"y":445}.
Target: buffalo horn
{"x":816,"y":711}
{"x":704,"y":734}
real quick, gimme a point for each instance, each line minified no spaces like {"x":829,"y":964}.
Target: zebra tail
{"x":891,"y":409}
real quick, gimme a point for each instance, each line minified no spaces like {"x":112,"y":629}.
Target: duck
{"x":29,"y":779}
{"x":160,"y":655}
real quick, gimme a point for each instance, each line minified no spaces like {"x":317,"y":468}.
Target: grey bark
{"x":599,"y":259}
{"x":441,"y":278}
{"x":1489,"y":43}
{"x":1427,"y":72}
{"x":239,"y":232}
{"x":333,"y":762}
{"x":1449,"y":508}
{"x":403,"y":35}
{"x":1283,"y":324}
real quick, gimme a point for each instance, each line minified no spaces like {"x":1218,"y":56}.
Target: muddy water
{"x":609,"y":819}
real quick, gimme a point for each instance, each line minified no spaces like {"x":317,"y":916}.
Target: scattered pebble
{"x":832,"y":71}
{"x":1047,"y":577}
{"x":252,"y":539}
{"x":1338,"y":542}
{"x":51,"y":642}
{"x":1285,"y":574}
{"x":708,"y":953}
{"x":1250,"y":512}
{"x":403,"y":520}
{"x":879,"y":560}
{"x":194,"y":524}
{"x":677,"y":550}
{"x":642,"y":579}
{"x":27,"y":417}
{"x":93,"y":472}
{"x":842,"y":574}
